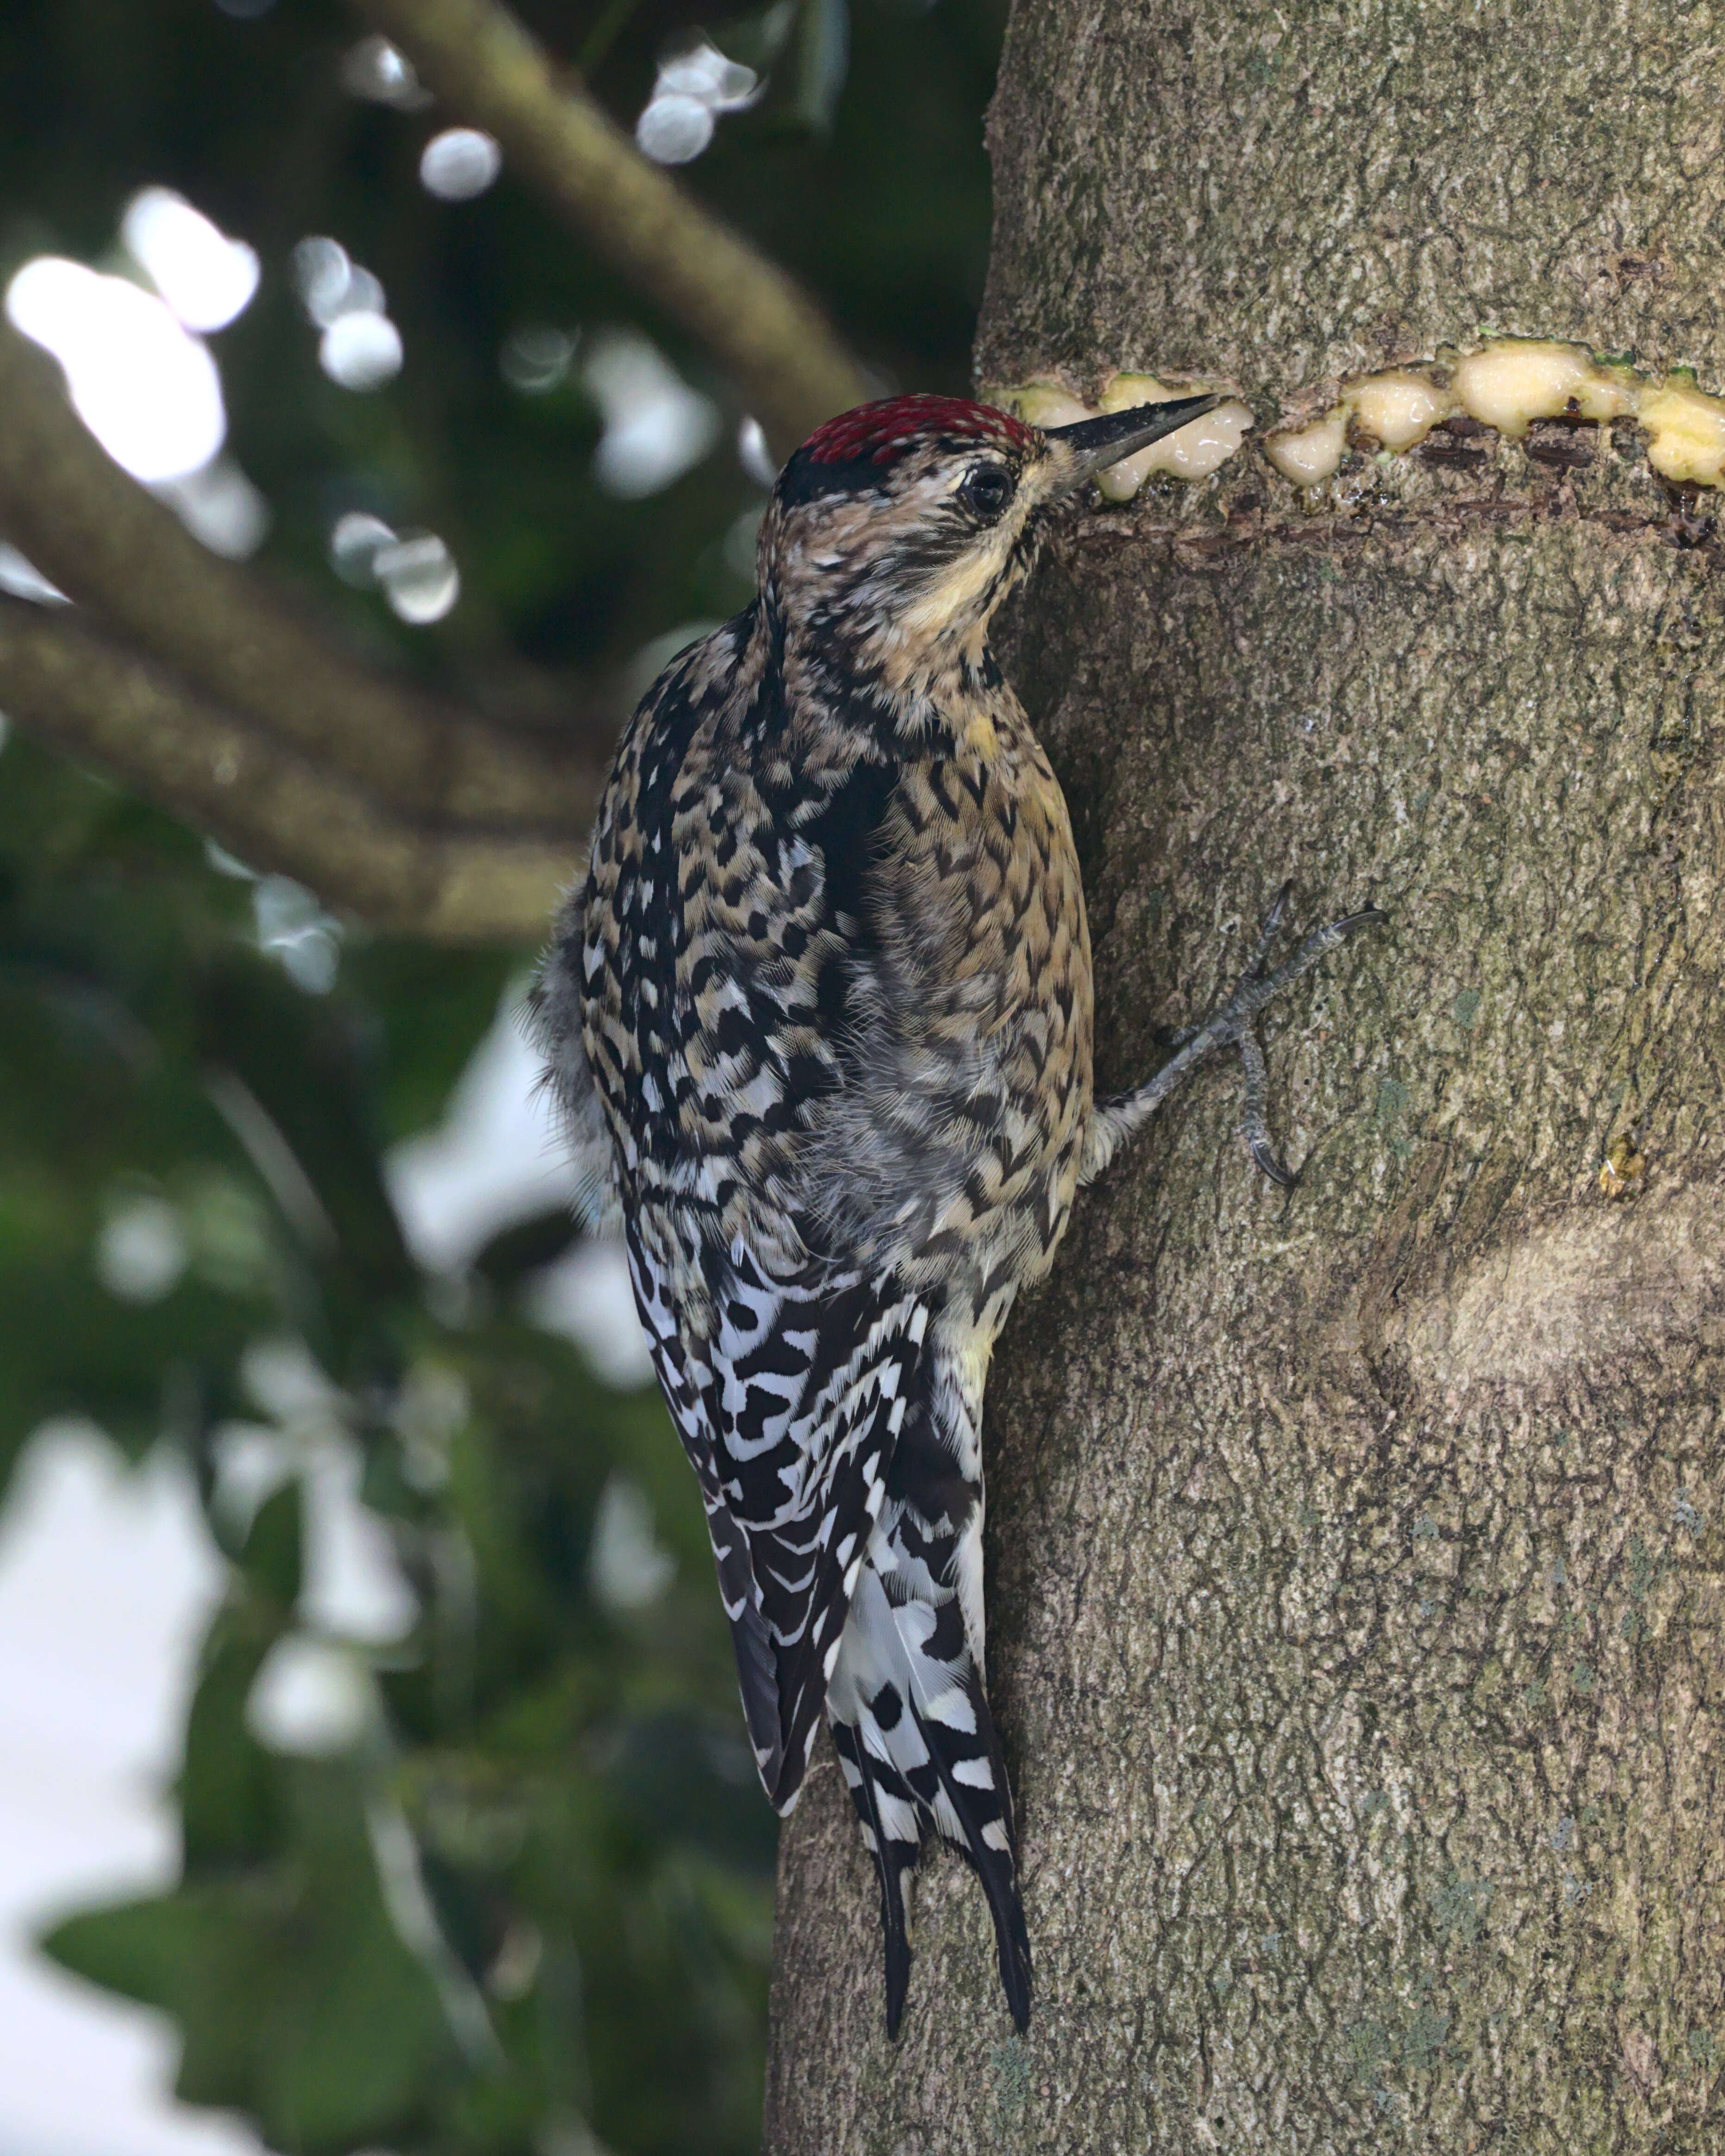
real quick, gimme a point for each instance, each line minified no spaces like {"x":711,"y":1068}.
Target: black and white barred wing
{"x":685,"y":1379}
{"x":789,"y":1410}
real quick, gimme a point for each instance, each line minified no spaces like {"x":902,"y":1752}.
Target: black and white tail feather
{"x":908,"y":1715}
{"x":838,"y":1463}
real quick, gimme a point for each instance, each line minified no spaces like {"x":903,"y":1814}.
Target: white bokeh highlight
{"x":220,"y":507}
{"x":142,"y":1253}
{"x":361,"y":348}
{"x":587,"y":1298}
{"x":24,"y":580}
{"x":136,"y":369}
{"x":373,"y":70}
{"x":362,"y":351}
{"x":656,"y":427}
{"x":145,"y":386}
{"x":419,"y":576}
{"x":535,"y":359}
{"x":294,"y":929}
{"x":356,"y":539}
{"x":109,"y":1578}
{"x":206,"y":278}
{"x":628,"y":1567}
{"x":459,"y":164}
{"x":415,"y":571}
{"x":753,"y":453}
{"x":494,"y":1160}
{"x":310,"y":1698}
{"x":695,"y":84}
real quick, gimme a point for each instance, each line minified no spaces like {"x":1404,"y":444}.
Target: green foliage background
{"x":530,"y":1908}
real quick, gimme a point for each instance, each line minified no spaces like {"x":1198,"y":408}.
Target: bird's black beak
{"x":1091,"y":445}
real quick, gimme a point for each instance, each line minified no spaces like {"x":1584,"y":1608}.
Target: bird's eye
{"x":987,"y":490}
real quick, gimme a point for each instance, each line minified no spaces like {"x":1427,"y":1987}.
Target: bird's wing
{"x":809,"y":1390}
{"x":684,"y":1377}
{"x":734,"y":976}
{"x":789,"y":1407}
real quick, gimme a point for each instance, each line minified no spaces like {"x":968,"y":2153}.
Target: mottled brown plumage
{"x":821,"y":1020}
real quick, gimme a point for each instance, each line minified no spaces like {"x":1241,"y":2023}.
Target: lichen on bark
{"x":1354,"y":1553}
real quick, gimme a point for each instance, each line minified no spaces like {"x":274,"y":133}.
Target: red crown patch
{"x":882,"y":432}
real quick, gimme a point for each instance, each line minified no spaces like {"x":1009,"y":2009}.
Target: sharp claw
{"x":1254,"y":1125}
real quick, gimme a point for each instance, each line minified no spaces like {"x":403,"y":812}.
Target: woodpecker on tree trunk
{"x":818,"y":1022}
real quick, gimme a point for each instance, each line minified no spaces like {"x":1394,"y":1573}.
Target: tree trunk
{"x":1354,"y":1551}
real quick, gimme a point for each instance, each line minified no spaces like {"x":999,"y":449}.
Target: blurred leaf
{"x":300,"y":2004}
{"x":514,"y":1253}
{"x":228,"y":1784}
{"x":271,"y":1556}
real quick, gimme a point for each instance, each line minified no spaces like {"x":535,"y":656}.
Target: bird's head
{"x":898,"y":528}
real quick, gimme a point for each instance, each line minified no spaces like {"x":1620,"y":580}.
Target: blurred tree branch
{"x":416,"y":815}
{"x":111,"y":546}
{"x":790,"y":367}
{"x":64,"y":681}
{"x":207,"y":691}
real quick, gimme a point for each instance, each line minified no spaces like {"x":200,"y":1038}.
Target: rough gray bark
{"x":1355,"y":1553}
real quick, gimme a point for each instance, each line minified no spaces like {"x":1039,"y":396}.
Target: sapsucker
{"x":819,"y":1022}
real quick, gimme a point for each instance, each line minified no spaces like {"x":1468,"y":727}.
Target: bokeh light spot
{"x":675,"y":130}
{"x":141,"y":1251}
{"x":221,"y":508}
{"x":415,"y":570}
{"x":629,"y":1567}
{"x":295,"y":931}
{"x":355,"y":541}
{"x":753,"y":454}
{"x":656,"y":427}
{"x":362,"y":351}
{"x":375,"y":70}
{"x":538,"y":359}
{"x":695,"y":84}
{"x":143,"y":385}
{"x":420,"y":577}
{"x":361,"y":348}
{"x":25,"y":580}
{"x":206,"y":278}
{"x":310,"y":1698}
{"x":459,"y":164}
{"x":331,"y":283}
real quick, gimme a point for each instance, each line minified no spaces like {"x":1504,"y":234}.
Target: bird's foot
{"x":1234,"y":1021}
{"x":1231,"y":1025}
